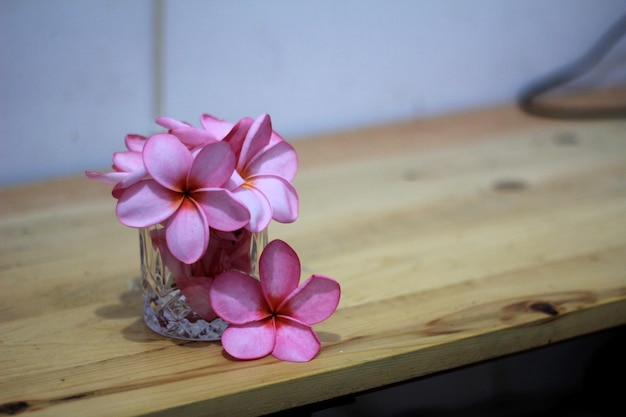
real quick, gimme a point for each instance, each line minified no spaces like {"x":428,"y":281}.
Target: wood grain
{"x":456,"y":240}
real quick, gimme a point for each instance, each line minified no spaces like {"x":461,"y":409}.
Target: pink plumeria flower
{"x":184,"y":192}
{"x":128,"y":167}
{"x":266,"y":165}
{"x":273,"y":315}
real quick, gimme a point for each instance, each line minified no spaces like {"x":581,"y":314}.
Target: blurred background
{"x":77,"y":76}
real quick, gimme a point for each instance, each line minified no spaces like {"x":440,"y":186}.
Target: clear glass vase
{"x":168,"y":310}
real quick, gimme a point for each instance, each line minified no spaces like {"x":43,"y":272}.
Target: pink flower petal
{"x":127,"y":161}
{"x":279,"y":159}
{"x":117,"y":190}
{"x":281,"y":195}
{"x":192,"y":136}
{"x":238,"y":133}
{"x":168,"y":161}
{"x":196,"y":291}
{"x":258,"y":206}
{"x":222,"y":210}
{"x":279,"y":268}
{"x":135,"y":143}
{"x":237,"y":298}
{"x":234,"y":181}
{"x":232,"y":251}
{"x":218,"y":128}
{"x":237,"y":250}
{"x":314,"y":301}
{"x":176,"y":267}
{"x":251,"y":340}
{"x":134,"y":176}
{"x":187,"y":232}
{"x":257,"y":138}
{"x":295,"y":342}
{"x":212,"y":167}
{"x":109,"y":178}
{"x":146,"y":203}
{"x":170,"y":123}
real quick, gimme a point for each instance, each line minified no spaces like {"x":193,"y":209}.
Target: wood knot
{"x":13,"y":408}
{"x":410,"y":175}
{"x":508,"y":185}
{"x":566,"y":139}
{"x":546,"y":308}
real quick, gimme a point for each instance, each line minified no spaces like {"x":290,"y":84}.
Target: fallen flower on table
{"x":273,"y":315}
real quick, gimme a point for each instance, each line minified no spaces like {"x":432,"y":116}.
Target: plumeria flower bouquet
{"x":201,"y":197}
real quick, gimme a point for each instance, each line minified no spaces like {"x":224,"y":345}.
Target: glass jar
{"x":176,"y":302}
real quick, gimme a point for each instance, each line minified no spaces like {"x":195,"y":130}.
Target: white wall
{"x":76,"y":76}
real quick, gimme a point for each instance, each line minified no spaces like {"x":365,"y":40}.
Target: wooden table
{"x":455,"y":240}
